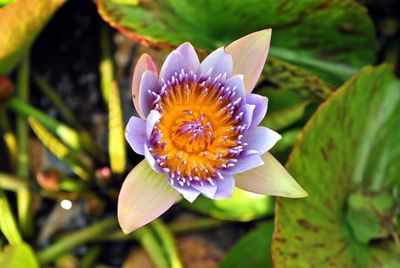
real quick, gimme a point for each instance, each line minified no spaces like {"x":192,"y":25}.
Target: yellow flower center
{"x":198,"y":132}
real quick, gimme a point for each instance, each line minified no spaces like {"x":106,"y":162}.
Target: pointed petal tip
{"x":296,"y":192}
{"x":270,"y":179}
{"x":126,"y":230}
{"x":302,"y":193}
{"x":249,"y":54}
{"x":140,"y":200}
{"x":144,"y":63}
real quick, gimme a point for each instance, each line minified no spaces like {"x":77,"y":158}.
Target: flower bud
{"x":49,"y":179}
{"x":6,"y":89}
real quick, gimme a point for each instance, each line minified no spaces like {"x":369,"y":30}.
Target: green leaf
{"x":331,"y":38}
{"x":349,"y":144}
{"x":291,"y":92}
{"x":17,"y":35}
{"x":78,"y":163}
{"x":5,"y":2}
{"x":24,"y":197}
{"x":78,"y":141}
{"x":18,"y":256}
{"x":367,"y":215}
{"x":8,"y":225}
{"x":253,"y":250}
{"x":242,"y":206}
{"x":285,"y":77}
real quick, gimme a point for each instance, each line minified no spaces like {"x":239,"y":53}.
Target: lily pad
{"x":20,"y":23}
{"x":348,"y":146}
{"x":332,"y":38}
{"x":242,"y":206}
{"x":282,"y":76}
{"x":291,"y":92}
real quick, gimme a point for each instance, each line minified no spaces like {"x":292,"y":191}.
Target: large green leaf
{"x":332,"y":38}
{"x":282,"y":76}
{"x":253,"y":250}
{"x":291,"y":92}
{"x":349,"y":146}
{"x":20,"y":23}
{"x":242,"y":206}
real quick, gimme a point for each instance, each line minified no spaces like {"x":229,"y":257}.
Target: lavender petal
{"x":217,"y":63}
{"x":190,"y":55}
{"x":261,"y":139}
{"x":149,"y":82}
{"x":135,"y":134}
{"x":225,"y":187}
{"x":260,"y":110}
{"x":244,"y":163}
{"x":153,"y":117}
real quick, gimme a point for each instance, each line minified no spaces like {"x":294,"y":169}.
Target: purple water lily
{"x":199,"y":131}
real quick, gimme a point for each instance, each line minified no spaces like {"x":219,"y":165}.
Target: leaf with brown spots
{"x":350,"y":143}
{"x":332,"y":38}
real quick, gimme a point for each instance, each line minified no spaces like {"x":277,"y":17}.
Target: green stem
{"x":150,"y":243}
{"x":8,"y":226}
{"x":180,"y":227}
{"x":76,"y":239}
{"x":47,"y":90}
{"x":78,"y":141}
{"x":22,"y":126}
{"x":111,"y":95}
{"x":11,"y":183}
{"x":106,"y":66}
{"x":168,"y":241}
{"x":103,"y":231}
{"x":196,"y":225}
{"x":4,"y":123}
{"x":91,"y":256}
{"x":68,"y":135}
{"x":23,"y":195}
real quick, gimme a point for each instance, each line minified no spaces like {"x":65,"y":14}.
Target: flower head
{"x":198,"y":129}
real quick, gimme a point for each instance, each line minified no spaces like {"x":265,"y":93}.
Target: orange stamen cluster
{"x":199,"y":132}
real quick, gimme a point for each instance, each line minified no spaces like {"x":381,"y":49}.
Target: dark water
{"x":67,"y":54}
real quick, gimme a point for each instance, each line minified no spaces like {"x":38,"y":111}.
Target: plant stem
{"x":78,"y":141}
{"x":152,"y":246}
{"x":168,"y":241}
{"x":75,"y":239}
{"x":106,"y":231}
{"x":111,"y":95}
{"x":196,"y":225}
{"x":23,"y":194}
{"x":11,"y":183}
{"x":106,"y":66}
{"x":180,"y":227}
{"x":91,"y":256}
